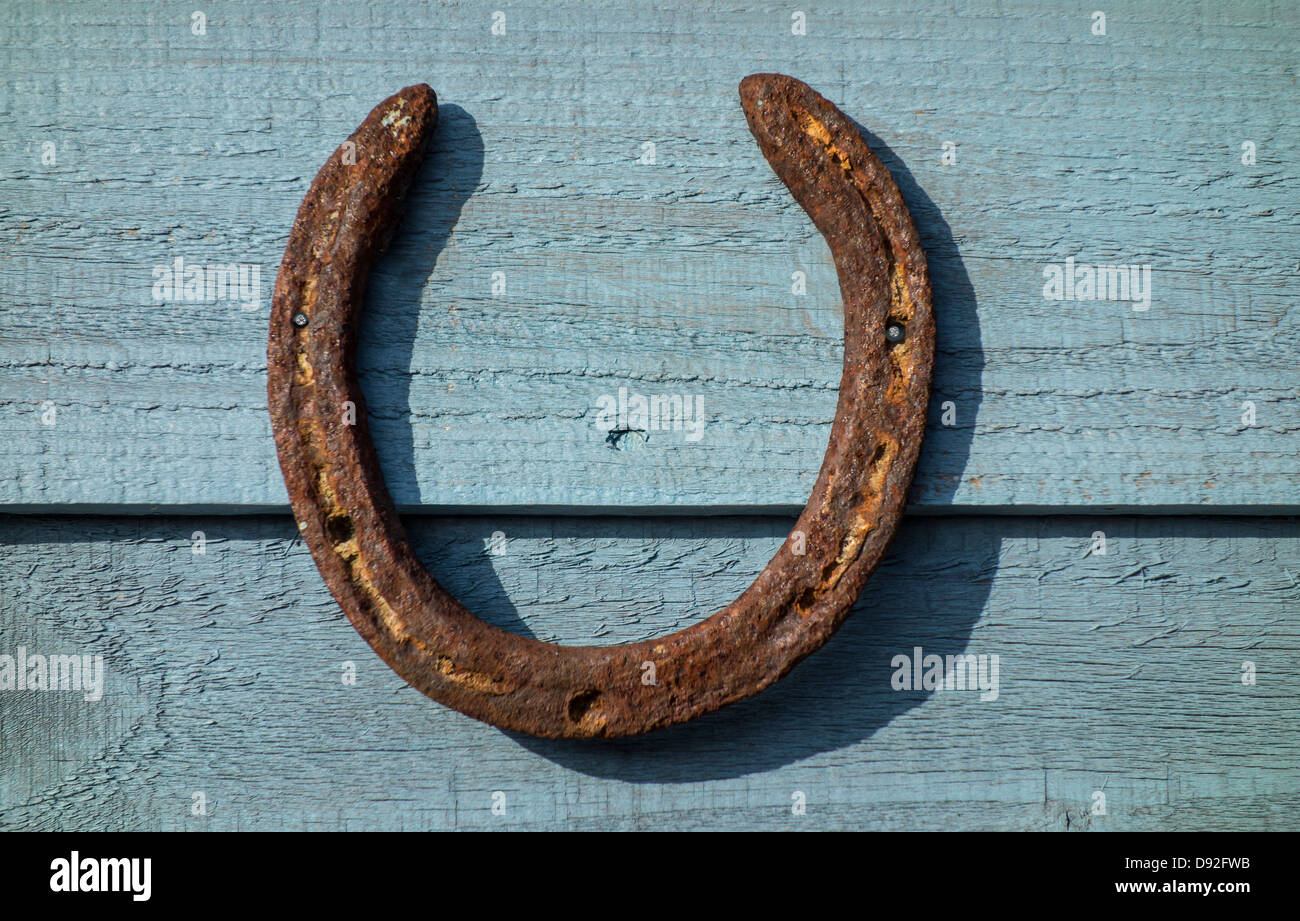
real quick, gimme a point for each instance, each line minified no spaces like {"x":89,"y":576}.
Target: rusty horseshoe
{"x":430,"y":639}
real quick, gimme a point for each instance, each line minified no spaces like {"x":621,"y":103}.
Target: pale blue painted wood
{"x":671,"y":278}
{"x":1118,"y":673}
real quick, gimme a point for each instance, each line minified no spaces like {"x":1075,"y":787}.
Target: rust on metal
{"x":350,"y":524}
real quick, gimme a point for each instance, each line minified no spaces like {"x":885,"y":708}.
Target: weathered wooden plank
{"x":1119,"y":673}
{"x":671,"y":278}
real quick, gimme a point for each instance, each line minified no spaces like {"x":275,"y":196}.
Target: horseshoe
{"x":430,"y":639}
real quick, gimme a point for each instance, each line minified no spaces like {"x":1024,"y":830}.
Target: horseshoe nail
{"x":429,"y":638}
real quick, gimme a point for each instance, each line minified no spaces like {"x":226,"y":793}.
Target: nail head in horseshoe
{"x":430,"y":639}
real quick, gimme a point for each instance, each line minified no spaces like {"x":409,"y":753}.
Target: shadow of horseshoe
{"x":837,"y":698}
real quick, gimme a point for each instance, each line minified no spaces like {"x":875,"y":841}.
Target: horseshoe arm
{"x":350,"y":524}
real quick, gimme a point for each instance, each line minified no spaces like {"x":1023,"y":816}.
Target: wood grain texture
{"x":672,"y":278}
{"x":1118,"y":673}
